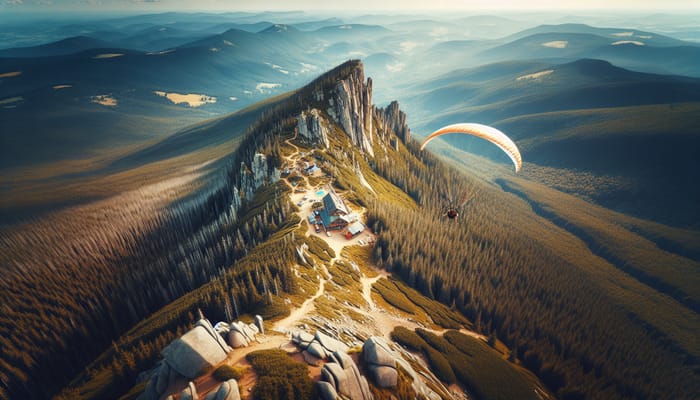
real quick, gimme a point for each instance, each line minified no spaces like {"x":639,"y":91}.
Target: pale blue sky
{"x":357,"y":5}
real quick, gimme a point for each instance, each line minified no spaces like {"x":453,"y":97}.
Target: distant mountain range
{"x":587,"y":116}
{"x":137,"y":80}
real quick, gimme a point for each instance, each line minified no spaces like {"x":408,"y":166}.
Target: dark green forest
{"x":560,"y":323}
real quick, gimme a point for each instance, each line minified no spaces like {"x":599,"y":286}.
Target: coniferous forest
{"x":493,"y":267}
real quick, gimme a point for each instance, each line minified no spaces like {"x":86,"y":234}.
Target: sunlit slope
{"x":75,"y":122}
{"x":68,"y":178}
{"x":62,"y":47}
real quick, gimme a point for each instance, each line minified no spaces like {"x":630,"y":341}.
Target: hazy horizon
{"x":394,"y":6}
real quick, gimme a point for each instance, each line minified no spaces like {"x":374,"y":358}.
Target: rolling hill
{"x":628,"y":48}
{"x":586,"y":116}
{"x":60,"y":48}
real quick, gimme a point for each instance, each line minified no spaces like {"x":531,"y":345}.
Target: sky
{"x":355,"y":5}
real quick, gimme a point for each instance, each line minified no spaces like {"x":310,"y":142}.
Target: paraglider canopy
{"x":489,"y":133}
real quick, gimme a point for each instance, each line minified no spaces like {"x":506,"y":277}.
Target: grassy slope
{"x":32,"y":190}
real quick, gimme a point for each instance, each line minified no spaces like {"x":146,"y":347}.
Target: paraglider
{"x":453,"y":210}
{"x":489,"y":133}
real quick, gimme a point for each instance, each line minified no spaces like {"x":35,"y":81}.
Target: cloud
{"x":395,"y":67}
{"x":408,"y":46}
{"x":13,"y":2}
{"x":263,"y":87}
{"x":556,"y":44}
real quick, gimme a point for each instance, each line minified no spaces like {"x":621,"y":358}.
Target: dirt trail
{"x":300,"y":313}
{"x":367,"y":287}
{"x":382,"y":321}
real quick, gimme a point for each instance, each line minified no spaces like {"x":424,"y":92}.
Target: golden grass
{"x":192,"y":100}
{"x":107,"y":55}
{"x":44,"y":185}
{"x":104,"y":100}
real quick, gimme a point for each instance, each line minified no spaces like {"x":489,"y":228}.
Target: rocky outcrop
{"x":237,"y":340}
{"x":241,"y":334}
{"x":331,"y":345}
{"x":255,"y":176}
{"x":312,"y":127}
{"x":200,"y":348}
{"x":190,"y":393}
{"x":326,"y":391}
{"x":393,"y":119}
{"x":163,"y":377}
{"x":259,"y":324}
{"x":317,"y":347}
{"x":302,"y":339}
{"x":226,"y":391}
{"x":381,"y":362}
{"x":350,"y":105}
{"x":341,"y":378}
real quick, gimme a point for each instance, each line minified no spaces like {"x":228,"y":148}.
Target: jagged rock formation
{"x":311,"y":126}
{"x":341,"y":378}
{"x":350,"y":105}
{"x":252,"y":178}
{"x":226,"y":391}
{"x":392,"y":118}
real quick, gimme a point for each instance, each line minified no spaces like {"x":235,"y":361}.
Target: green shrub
{"x":393,"y":296}
{"x":226,"y":372}
{"x":440,"y":365}
{"x":407,"y":338}
{"x":438,"y":312}
{"x":280,"y":377}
